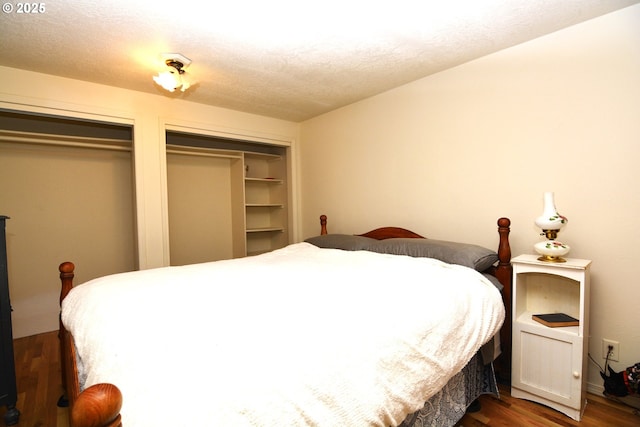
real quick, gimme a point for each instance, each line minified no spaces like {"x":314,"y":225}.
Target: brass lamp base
{"x":550,"y":234}
{"x":551,"y":258}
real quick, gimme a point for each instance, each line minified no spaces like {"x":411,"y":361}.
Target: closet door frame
{"x":205,"y":130}
{"x":72,"y":112}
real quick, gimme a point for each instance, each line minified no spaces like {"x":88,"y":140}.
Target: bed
{"x":336,"y":330}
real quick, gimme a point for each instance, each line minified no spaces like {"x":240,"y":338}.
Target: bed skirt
{"x":449,"y":405}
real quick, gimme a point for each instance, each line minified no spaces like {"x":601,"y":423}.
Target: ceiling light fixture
{"x":174,"y":76}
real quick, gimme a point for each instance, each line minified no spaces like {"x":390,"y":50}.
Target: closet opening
{"x":227,"y":198}
{"x":67,"y":186}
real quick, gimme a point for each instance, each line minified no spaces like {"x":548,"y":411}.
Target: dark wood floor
{"x":39,"y":387}
{"x":39,"y":381}
{"x":509,"y":412}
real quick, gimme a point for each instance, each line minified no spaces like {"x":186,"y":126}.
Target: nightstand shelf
{"x":526,"y":318}
{"x":549,"y":364}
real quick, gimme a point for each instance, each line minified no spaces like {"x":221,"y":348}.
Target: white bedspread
{"x":297,"y":337}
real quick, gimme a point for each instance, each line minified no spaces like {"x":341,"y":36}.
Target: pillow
{"x":472,"y":256}
{"x":345,"y":242}
{"x":493,"y":279}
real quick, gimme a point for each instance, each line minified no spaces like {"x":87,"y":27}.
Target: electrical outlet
{"x":614,"y":356}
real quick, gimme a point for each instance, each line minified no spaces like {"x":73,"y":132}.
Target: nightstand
{"x":549,"y":364}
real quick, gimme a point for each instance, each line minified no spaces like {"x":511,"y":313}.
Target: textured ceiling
{"x":288,"y":59}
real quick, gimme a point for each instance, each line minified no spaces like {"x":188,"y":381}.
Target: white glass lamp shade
{"x":170,"y":79}
{"x":186,"y":83}
{"x":550,"y":218}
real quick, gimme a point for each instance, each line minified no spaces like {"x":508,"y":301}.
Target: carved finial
{"x":98,"y":405}
{"x":66,"y":277}
{"x":504,"y":222}
{"x":66,"y":267}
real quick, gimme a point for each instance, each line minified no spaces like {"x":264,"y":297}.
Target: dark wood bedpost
{"x":504,"y":273}
{"x":66,"y":278}
{"x":98,"y":405}
{"x":323,"y":224}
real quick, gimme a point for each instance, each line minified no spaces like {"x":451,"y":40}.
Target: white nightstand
{"x":549,"y":364}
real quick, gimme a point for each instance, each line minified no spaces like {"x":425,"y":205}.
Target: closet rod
{"x":202,"y":154}
{"x":65,"y":141}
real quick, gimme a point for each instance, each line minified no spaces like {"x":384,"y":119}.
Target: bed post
{"x":323,"y":225}
{"x":69,"y":375}
{"x":504,"y":272}
{"x":98,"y":405}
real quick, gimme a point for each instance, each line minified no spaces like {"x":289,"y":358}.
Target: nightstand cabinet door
{"x":549,"y":364}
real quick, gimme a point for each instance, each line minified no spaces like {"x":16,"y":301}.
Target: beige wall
{"x":150,"y":116}
{"x":449,"y":154}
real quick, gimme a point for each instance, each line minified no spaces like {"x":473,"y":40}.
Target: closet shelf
{"x":270,"y":180}
{"x":264,"y":229}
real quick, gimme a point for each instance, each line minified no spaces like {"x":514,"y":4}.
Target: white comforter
{"x":299,"y":336}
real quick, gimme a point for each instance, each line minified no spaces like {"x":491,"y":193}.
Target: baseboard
{"x":595,"y":389}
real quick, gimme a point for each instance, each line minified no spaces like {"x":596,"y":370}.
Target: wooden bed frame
{"x":100,"y":404}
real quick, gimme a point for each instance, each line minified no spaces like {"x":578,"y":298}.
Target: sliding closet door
{"x":69,"y":199}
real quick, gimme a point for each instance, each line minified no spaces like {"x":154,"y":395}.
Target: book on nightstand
{"x":555,"y":320}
